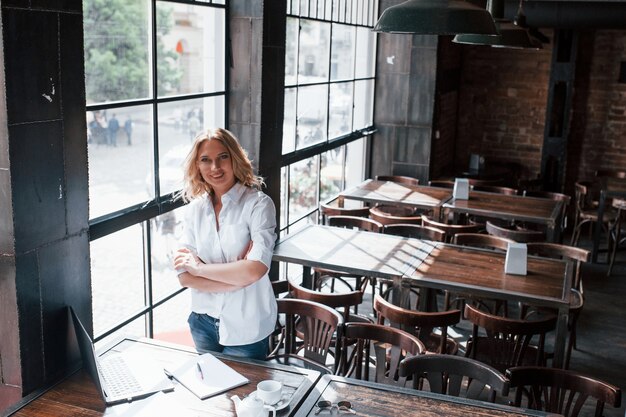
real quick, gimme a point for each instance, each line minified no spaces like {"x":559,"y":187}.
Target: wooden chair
{"x":586,"y":211}
{"x":421,"y":324}
{"x":507,"y":341}
{"x":335,"y":207}
{"x":479,"y":240}
{"x":388,"y":214}
{"x":577,"y":256}
{"x":521,"y":236}
{"x":441,"y":183}
{"x":280,"y":287}
{"x":615,"y":232}
{"x":415,"y":231}
{"x":322,"y":276}
{"x":318,"y":323}
{"x":399,"y":179}
{"x":495,"y":189}
{"x":456,"y":376}
{"x":390,"y":346}
{"x":353,"y":222}
{"x":560,"y":391}
{"x":450,"y":229}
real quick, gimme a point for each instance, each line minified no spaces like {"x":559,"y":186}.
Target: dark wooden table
{"x":605,"y":195}
{"x":77,"y":395}
{"x":541,"y":211}
{"x":388,"y":192}
{"x":432,"y":265}
{"x":372,"y":399}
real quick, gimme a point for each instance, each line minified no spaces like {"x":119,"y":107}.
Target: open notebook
{"x":206,"y":376}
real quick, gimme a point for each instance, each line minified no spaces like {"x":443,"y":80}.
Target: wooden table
{"x":352,"y":251}
{"x":541,"y":211}
{"x":77,"y":395}
{"x":372,"y":399}
{"x":604,"y":196}
{"x":388,"y":192}
{"x":472,"y":271}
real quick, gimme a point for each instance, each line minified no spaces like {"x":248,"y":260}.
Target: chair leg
{"x":613,"y":246}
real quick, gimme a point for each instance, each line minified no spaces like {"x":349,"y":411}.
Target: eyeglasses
{"x":342,"y":407}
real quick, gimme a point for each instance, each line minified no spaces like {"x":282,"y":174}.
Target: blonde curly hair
{"x":195,"y":186}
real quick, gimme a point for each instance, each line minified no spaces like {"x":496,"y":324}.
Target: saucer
{"x":282,"y":403}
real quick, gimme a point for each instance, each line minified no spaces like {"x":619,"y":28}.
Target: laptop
{"x":120,"y":376}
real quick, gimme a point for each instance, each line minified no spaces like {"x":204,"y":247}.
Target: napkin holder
{"x":516,"y":259}
{"x":461,"y":189}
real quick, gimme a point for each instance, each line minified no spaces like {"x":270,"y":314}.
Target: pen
{"x":200,"y":370}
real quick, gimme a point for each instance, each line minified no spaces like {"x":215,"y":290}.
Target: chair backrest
{"x":387,"y":214}
{"x":441,"y":183}
{"x":280,"y":287}
{"x":456,"y":376}
{"x":507,"y":341}
{"x":521,"y":236}
{"x":582,"y":195}
{"x":560,"y":391}
{"x":495,"y":189}
{"x":566,"y":252}
{"x":451,"y":229}
{"x":342,"y":300}
{"x":415,"y":231}
{"x":399,"y":178}
{"x":335,"y":207}
{"x":485,"y":182}
{"x":318,"y":322}
{"x":479,"y":240}
{"x":390,"y":346}
{"x":352,"y":222}
{"x":418,"y":323}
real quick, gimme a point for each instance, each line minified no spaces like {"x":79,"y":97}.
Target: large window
{"x":329,"y":96}
{"x":155,"y":74}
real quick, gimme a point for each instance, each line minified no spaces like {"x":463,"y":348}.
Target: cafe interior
{"x":449,"y":179}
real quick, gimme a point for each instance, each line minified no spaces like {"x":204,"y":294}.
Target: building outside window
{"x":155,"y":76}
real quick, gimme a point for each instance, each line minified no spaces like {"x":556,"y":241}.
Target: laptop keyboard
{"x":119,"y":380}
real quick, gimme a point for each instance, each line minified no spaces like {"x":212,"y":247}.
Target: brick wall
{"x":598,"y":132}
{"x":501,"y":108}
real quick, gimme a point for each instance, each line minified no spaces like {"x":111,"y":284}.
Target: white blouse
{"x":246,"y":315}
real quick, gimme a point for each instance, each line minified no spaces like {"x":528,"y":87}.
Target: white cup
{"x":269,"y":391}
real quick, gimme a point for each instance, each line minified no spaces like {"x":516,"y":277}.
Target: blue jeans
{"x":205,"y":331}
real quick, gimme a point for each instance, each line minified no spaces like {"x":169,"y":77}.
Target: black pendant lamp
{"x":436,"y":17}
{"x":510,"y":35}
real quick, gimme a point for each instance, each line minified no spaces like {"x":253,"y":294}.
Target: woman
{"x":228,"y":243}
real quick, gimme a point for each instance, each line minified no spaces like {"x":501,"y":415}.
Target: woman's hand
{"x":187,"y":260}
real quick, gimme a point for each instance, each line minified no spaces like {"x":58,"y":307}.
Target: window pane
{"x":179,"y":123}
{"x":165,"y":233}
{"x":331,"y":173}
{"x":303,"y":182}
{"x":312,"y":114}
{"x":119,"y":168}
{"x":363,"y":103}
{"x":343,"y":50}
{"x":134,"y":329}
{"x":291,"y":51}
{"x":289,"y":121}
{"x":190,"y":49}
{"x":117,"y":50}
{"x":117,"y":277}
{"x":355,"y":162}
{"x":314,"y":51}
{"x":340,"y":115}
{"x":365,"y":52}
{"x":170,"y":320}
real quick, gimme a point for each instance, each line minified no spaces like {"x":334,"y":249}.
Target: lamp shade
{"x":511,"y":36}
{"x":436,"y":17}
